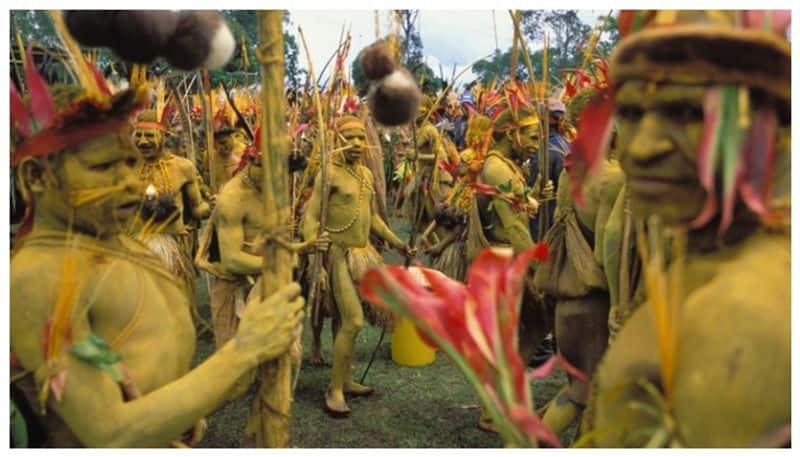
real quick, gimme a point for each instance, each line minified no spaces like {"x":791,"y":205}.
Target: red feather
{"x":779,"y":20}
{"x":98,"y":77}
{"x":43,"y":107}
{"x":20,"y":118}
{"x":594,"y":133}
{"x":759,"y":159}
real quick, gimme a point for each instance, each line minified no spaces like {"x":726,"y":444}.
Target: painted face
{"x":357,"y":139}
{"x":527,"y":140}
{"x":236,"y":143}
{"x":659,"y":132}
{"x":98,"y":182}
{"x":148,"y":141}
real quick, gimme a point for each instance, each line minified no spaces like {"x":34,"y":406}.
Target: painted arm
{"x":379,"y":228}
{"x":497,"y":174}
{"x":200,"y":209}
{"x":448,"y":239}
{"x":230,"y":234}
{"x":309,"y":225}
{"x":92,"y":404}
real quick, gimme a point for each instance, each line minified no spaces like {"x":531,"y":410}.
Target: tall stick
{"x":269,"y":416}
{"x":314,"y":294}
{"x":544,"y":150}
{"x":205,"y":96}
{"x":514,"y":49}
{"x":187,"y":123}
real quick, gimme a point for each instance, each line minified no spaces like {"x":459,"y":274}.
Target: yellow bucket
{"x":408,"y":349}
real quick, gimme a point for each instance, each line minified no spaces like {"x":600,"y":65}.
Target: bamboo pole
{"x":314,"y":295}
{"x":185,"y":120}
{"x":448,"y":88}
{"x":17,"y":68}
{"x":268,"y":423}
{"x":514,"y":50}
{"x":544,"y":150}
{"x":205,"y":97}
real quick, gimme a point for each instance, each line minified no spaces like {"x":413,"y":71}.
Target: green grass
{"x":431,"y":406}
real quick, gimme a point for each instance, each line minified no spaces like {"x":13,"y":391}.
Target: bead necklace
{"x":357,"y":211}
{"x":150,"y":171}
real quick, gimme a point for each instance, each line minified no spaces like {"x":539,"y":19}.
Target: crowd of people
{"x":658,"y":181}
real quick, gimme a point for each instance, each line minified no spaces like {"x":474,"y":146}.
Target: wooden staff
{"x":544,"y":148}
{"x":188,"y":135}
{"x":314,"y":294}
{"x":514,"y":49}
{"x":205,"y":96}
{"x":269,"y":416}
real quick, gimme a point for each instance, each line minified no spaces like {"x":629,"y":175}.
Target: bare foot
{"x":486,"y":423}
{"x":357,"y":390}
{"x":335,"y":404}
{"x":318,"y":360}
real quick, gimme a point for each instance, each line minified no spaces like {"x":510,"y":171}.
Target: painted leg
{"x":223,"y":310}
{"x":561,"y":412}
{"x":352,"y":320}
{"x":316,"y":343}
{"x":582,"y":334}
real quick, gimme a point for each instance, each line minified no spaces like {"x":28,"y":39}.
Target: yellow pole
{"x":269,"y":416}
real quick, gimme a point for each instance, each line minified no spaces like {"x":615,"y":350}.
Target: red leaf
{"x":300,"y":129}
{"x":547,"y":368}
{"x":778,"y":20}
{"x":570,"y":369}
{"x":58,"y":382}
{"x":759,"y":161}
{"x":450,"y":167}
{"x":43,"y":107}
{"x":484,"y":189}
{"x":20,"y":118}
{"x":533,"y":426}
{"x":570,"y":88}
{"x":544,"y":370}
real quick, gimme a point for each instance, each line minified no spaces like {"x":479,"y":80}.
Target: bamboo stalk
{"x":205,"y":97}
{"x":268,"y":423}
{"x":625,"y":262}
{"x":544,"y":163}
{"x":314,"y":295}
{"x":514,"y":49}
{"x":447,"y":89}
{"x":187,"y":124}
{"x":18,"y":36}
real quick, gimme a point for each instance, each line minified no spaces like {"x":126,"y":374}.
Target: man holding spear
{"x":351,"y":216}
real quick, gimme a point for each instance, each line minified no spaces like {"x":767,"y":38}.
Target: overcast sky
{"x":448,"y":37}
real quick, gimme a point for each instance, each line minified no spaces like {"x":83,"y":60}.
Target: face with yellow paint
{"x":526,"y":140}
{"x":659,"y":129}
{"x":94,"y":188}
{"x":235,"y":143}
{"x":148,"y":141}
{"x":356,"y":139}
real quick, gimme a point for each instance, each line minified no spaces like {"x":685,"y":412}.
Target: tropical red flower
{"x":476,"y":325}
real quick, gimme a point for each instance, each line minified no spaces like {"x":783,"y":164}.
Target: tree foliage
{"x":568,"y":37}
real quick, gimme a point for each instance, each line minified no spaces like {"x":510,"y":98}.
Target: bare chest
{"x":145,"y":318}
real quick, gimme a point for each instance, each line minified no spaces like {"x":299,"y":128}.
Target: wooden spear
{"x":205,"y":96}
{"x":188,"y":135}
{"x":314,"y":294}
{"x":544,"y":149}
{"x":514,"y":50}
{"x":269,"y":416}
